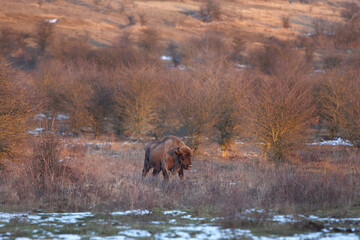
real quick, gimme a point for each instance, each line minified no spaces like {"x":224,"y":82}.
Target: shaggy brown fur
{"x":170,"y":155}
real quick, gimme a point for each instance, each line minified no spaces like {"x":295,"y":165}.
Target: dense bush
{"x":15,"y":107}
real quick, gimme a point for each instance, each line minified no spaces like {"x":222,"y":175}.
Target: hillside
{"x":103,"y":21}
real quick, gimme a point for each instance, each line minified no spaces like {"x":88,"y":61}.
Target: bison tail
{"x":147,"y":160}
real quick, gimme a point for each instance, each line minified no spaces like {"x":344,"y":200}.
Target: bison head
{"x":185,"y":153}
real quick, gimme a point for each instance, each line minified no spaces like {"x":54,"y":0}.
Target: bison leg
{"x":164,"y":168}
{"x":145,"y":171}
{"x":156,"y":171}
{"x":165,"y":173}
{"x":181,"y":173}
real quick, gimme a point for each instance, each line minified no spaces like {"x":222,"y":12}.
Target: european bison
{"x":170,"y":155}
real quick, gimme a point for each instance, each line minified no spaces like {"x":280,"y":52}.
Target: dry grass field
{"x":176,"y":20}
{"x":105,"y":175}
{"x":266,"y":93}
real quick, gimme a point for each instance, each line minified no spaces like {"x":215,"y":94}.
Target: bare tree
{"x":210,"y":11}
{"x":341,"y":103}
{"x":14,"y":110}
{"x":136,"y":100}
{"x":333,"y":98}
{"x":101,"y":102}
{"x":229,"y":114}
{"x":194,"y":94}
{"x":149,"y":43}
{"x":210,"y":47}
{"x":77,"y":94}
{"x":49,"y":83}
{"x":43,"y":35}
{"x":280,"y":105}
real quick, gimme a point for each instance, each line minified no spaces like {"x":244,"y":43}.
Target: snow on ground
{"x":40,"y":116}
{"x":6,"y":217}
{"x":36,"y":131}
{"x":68,"y":236}
{"x":174,"y":212}
{"x":136,"y":233}
{"x":243,"y":66}
{"x":329,"y":219}
{"x":132,"y":212}
{"x":66,"y":218}
{"x":195,"y":230}
{"x":54,"y":20}
{"x":62,"y":116}
{"x":334,"y":142}
{"x":166,"y":58}
{"x":101,"y":144}
{"x":283,"y":219}
{"x":192,"y":218}
{"x":39,"y":218}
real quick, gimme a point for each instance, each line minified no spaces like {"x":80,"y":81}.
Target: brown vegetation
{"x":14,"y":110}
{"x":340,"y":98}
{"x":87,"y":177}
{"x":238,"y":78}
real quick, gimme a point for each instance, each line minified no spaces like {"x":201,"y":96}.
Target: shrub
{"x":136,"y":100}
{"x":351,"y":12}
{"x":149,"y":43}
{"x":193,"y":95}
{"x":229,"y":115}
{"x":285,"y":22}
{"x":210,"y":11}
{"x":278,"y":58}
{"x":210,"y":47}
{"x":49,"y":84}
{"x":340,"y":101}
{"x":175,"y":53}
{"x":11,"y":41}
{"x":44,"y":35}
{"x":14,"y":110}
{"x":279,"y":109}
{"x":332,"y":60}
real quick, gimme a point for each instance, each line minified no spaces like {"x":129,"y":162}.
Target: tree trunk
{"x":223,"y":151}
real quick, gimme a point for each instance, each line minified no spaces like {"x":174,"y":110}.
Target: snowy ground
{"x":335,"y":142}
{"x":145,"y":224}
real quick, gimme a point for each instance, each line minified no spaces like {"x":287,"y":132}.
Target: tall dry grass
{"x":108,"y":177}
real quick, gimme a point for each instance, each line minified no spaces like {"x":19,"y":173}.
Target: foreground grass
{"x":107,"y":177}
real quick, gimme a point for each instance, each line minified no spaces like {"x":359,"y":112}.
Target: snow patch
{"x":251,"y":210}
{"x":62,"y":116}
{"x":243,"y":66}
{"x":36,"y":131}
{"x":192,"y":218}
{"x":136,"y":233}
{"x":283,"y":219}
{"x":132,"y":212}
{"x":319,"y":71}
{"x":66,"y":218}
{"x":174,"y":212}
{"x":334,"y":142}
{"x":40,"y":116}
{"x":54,"y":20}
{"x":182,"y":68}
{"x":68,"y":236}
{"x":166,"y":58}
{"x":97,"y":144}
